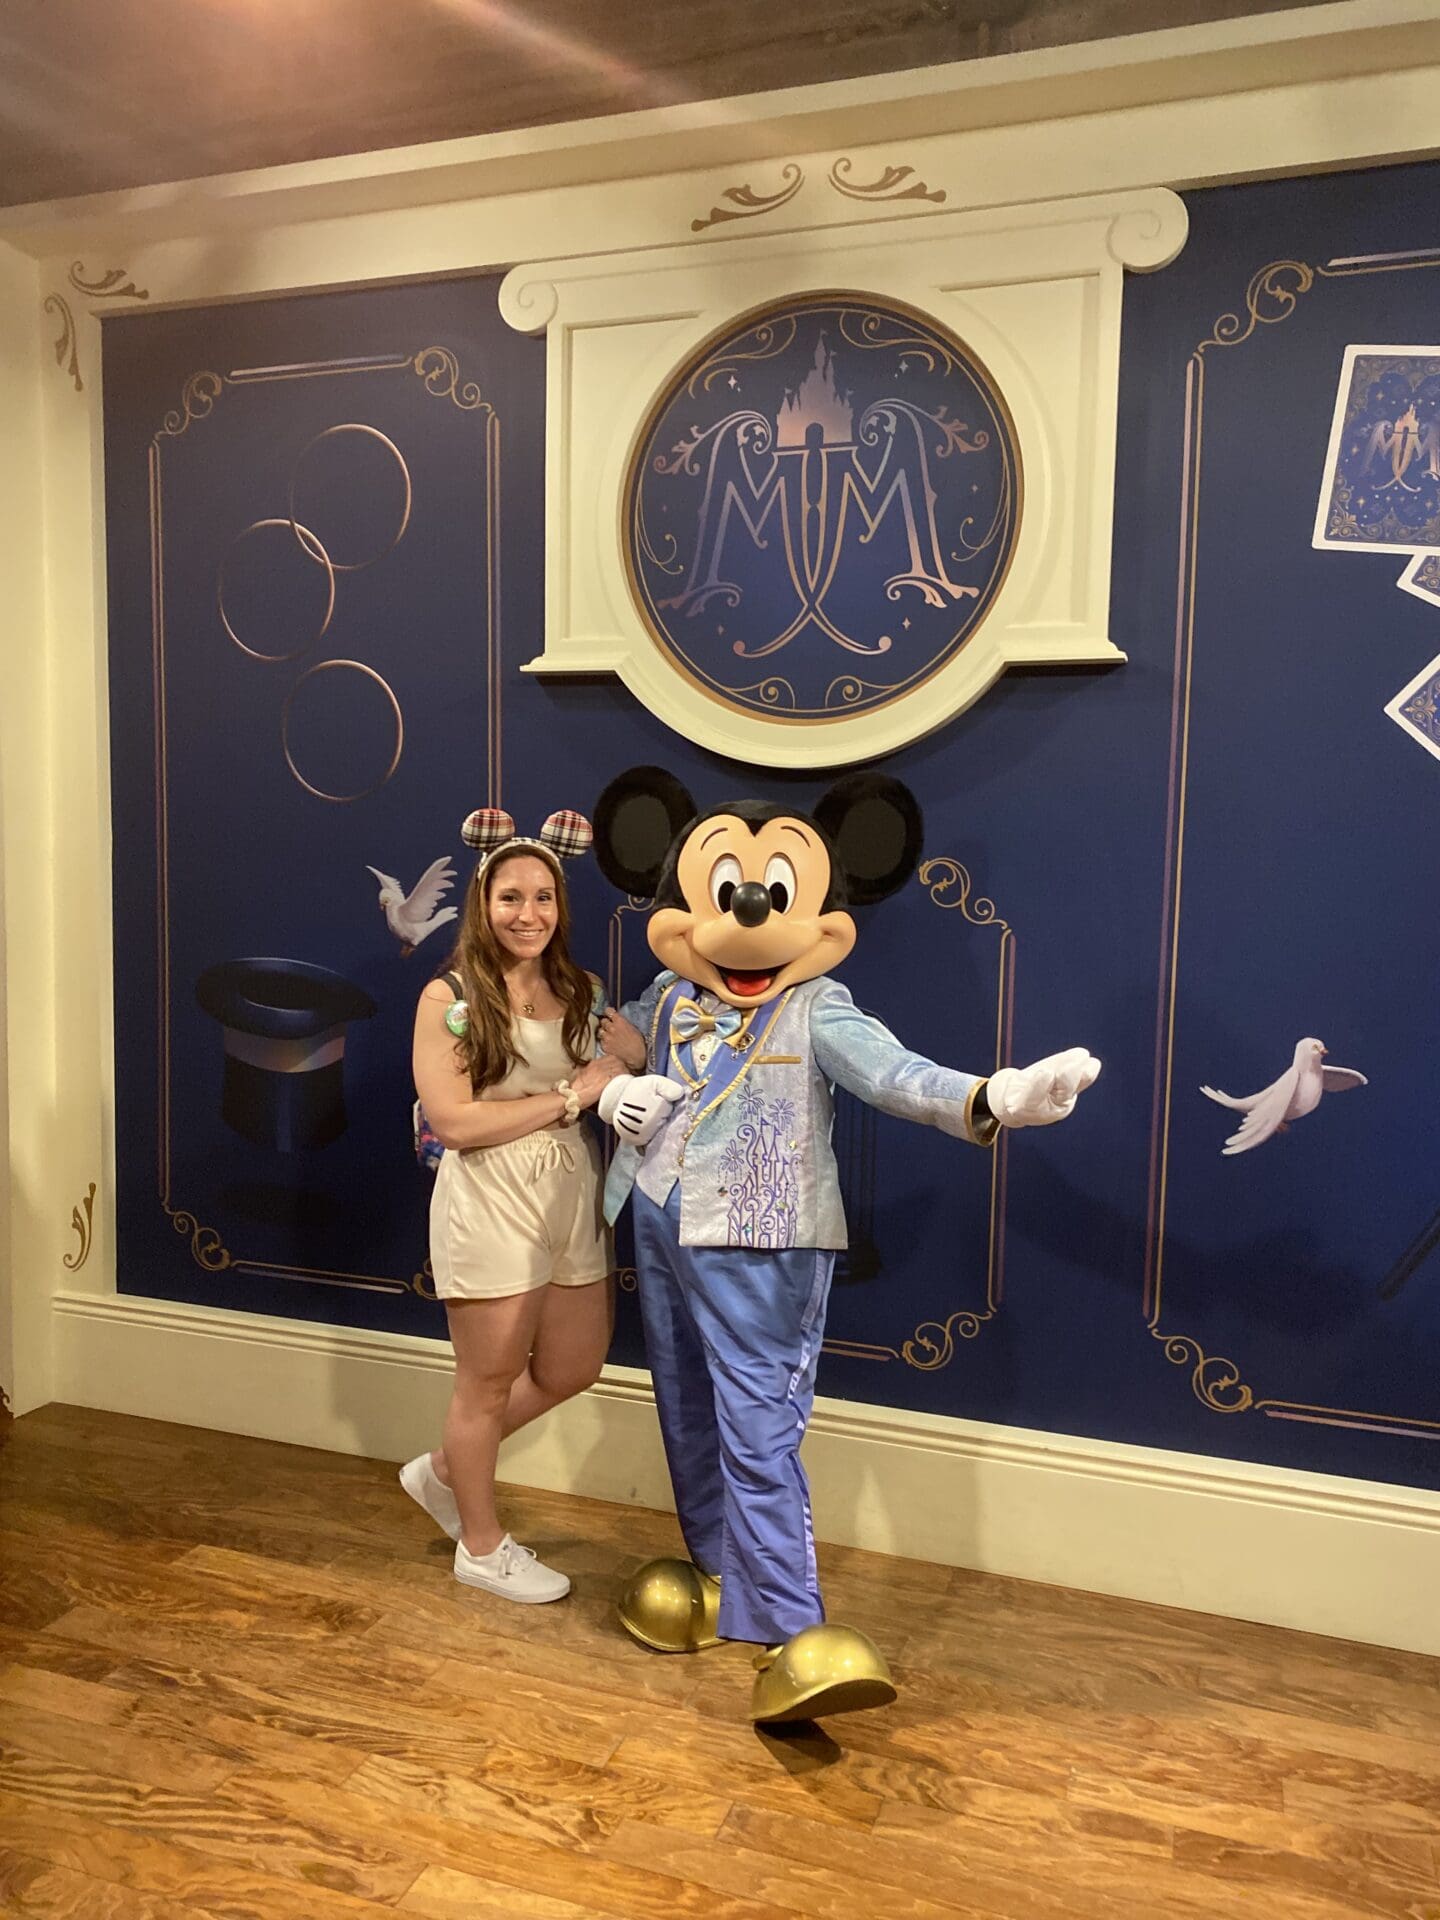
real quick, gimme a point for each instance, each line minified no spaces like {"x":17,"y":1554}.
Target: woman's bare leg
{"x":492,"y":1341}
{"x":571,"y":1342}
{"x":572,"y":1338}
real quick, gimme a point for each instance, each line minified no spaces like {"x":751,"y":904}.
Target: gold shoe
{"x":818,"y":1671}
{"x":670,"y":1606}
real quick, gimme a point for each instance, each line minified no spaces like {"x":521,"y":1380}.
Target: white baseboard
{"x":1351,"y":1558}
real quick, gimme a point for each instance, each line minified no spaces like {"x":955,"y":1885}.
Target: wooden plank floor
{"x":236,"y":1679}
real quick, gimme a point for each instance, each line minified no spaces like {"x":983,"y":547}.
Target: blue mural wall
{"x":1189,"y":863}
{"x":323,"y":515}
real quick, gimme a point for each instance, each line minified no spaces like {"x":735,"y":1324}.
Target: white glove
{"x":1038,"y":1096}
{"x":638,"y":1107}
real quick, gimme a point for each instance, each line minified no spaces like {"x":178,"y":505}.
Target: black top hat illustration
{"x":284,"y":1024}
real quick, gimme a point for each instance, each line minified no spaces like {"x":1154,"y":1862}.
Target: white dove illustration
{"x":1296,"y":1093}
{"x":413,"y":919}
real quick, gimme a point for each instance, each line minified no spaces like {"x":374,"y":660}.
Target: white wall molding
{"x":1350,"y":1558}
{"x":32,"y":1217}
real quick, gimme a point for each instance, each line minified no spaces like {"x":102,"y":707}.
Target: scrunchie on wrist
{"x":572,"y":1101}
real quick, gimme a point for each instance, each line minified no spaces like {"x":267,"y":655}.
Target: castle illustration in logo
{"x":833,"y":493}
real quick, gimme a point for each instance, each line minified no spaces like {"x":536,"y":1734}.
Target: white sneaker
{"x":428,"y":1490}
{"x":512,"y":1571}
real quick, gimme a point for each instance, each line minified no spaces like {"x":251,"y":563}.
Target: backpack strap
{"x":452,"y":980}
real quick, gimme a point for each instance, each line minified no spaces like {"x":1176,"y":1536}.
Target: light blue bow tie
{"x":689,"y":1020}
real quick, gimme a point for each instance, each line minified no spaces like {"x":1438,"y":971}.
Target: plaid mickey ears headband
{"x":564,"y":836}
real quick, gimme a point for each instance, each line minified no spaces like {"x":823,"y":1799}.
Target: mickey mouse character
{"x":725,"y":1143}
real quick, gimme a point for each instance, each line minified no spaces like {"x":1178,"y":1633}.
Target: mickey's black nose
{"x":750,"y":903}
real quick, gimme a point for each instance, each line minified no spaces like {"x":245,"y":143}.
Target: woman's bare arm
{"x":458,"y":1120}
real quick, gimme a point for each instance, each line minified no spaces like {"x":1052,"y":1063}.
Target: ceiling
{"x":104,"y":94}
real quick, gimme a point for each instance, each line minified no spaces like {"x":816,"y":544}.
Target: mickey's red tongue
{"x":749,"y":986}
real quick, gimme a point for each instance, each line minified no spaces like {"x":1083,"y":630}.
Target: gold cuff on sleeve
{"x":983,"y":1132}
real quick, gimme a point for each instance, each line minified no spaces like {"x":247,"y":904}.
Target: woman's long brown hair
{"x":488,"y":1047}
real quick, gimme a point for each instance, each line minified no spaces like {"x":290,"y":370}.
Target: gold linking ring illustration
{"x":353,"y":666}
{"x":309,"y":545}
{"x":354,"y":566}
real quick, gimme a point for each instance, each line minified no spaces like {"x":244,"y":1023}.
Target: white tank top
{"x":543,"y":1059}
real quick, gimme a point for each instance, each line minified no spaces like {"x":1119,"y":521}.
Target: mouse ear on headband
{"x":564,"y":836}
{"x":567,"y":834}
{"x":487,"y":828}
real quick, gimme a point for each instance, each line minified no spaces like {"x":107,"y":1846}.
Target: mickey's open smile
{"x":748,"y":984}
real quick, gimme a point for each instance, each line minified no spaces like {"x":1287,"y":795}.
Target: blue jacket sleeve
{"x":860,"y":1054}
{"x":641,"y":1013}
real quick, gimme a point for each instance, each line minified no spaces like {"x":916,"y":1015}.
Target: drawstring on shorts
{"x":551,"y":1156}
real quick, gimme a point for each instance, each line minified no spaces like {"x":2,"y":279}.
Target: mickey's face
{"x":749,"y":895}
{"x":753,"y":919}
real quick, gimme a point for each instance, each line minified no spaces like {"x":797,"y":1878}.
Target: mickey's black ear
{"x":636,"y":818}
{"x":875,"y":826}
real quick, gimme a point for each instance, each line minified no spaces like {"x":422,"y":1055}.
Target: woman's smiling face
{"x":523,"y":906}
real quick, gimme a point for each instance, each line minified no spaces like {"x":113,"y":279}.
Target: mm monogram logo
{"x":837,"y":483}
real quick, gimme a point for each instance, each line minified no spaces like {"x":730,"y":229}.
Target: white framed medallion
{"x":809,"y":495}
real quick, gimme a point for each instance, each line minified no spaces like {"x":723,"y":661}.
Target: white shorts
{"x":508,"y":1219}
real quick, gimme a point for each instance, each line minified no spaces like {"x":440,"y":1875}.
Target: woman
{"x":503,"y":1068}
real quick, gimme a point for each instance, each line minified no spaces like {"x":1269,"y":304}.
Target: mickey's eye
{"x":725,"y":876}
{"x":780,"y":880}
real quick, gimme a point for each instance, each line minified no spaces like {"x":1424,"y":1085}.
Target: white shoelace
{"x":506,"y":1559}
{"x":513,"y":1557}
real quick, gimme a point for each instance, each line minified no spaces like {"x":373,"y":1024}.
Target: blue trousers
{"x":734,"y":1338}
